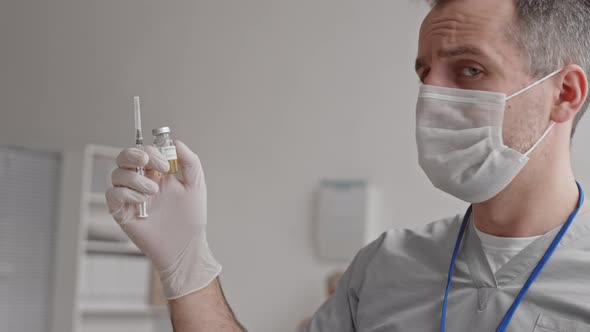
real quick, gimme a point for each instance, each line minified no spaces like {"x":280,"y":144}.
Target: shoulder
{"x":407,"y":248}
{"x":431,"y":234}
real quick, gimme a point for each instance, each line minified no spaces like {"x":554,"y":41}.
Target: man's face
{"x":464,"y":44}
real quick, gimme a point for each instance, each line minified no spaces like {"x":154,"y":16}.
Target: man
{"x":504,"y":87}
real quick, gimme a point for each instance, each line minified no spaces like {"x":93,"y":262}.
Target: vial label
{"x":169,"y":152}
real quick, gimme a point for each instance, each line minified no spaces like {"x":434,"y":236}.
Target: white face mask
{"x":460,"y":147}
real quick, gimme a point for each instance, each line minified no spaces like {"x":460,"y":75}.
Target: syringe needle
{"x":137,"y":113}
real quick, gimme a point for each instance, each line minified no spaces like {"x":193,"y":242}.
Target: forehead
{"x":481,"y":24}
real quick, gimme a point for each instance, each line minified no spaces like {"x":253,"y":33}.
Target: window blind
{"x":29,"y":183}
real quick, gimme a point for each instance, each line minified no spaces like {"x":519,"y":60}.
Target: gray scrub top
{"x":397,"y":283}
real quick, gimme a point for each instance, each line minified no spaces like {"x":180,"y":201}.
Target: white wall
{"x":273,"y":95}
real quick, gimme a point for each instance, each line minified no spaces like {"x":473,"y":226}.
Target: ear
{"x":573,"y":91}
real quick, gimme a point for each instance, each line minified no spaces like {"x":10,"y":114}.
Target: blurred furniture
{"x":102,"y":281}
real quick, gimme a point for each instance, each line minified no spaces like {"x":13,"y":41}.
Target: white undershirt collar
{"x":500,"y":250}
{"x":504,"y":243}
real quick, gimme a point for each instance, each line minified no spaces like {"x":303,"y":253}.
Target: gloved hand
{"x":173,"y":235}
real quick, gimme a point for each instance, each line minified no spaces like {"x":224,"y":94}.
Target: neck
{"x":538,"y":200}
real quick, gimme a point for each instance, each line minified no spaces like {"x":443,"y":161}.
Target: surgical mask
{"x":460,"y":146}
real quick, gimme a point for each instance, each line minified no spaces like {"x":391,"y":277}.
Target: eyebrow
{"x":452,"y":52}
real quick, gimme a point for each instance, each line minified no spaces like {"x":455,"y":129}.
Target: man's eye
{"x":471,"y":71}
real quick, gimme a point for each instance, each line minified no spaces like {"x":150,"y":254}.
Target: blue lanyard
{"x":508,"y":316}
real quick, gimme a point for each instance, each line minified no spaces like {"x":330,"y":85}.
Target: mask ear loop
{"x":533,"y":85}
{"x":551,"y":125}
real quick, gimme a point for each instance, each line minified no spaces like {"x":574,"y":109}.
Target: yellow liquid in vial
{"x":173,"y":166}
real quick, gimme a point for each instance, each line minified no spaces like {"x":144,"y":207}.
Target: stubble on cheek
{"x":523,"y":124}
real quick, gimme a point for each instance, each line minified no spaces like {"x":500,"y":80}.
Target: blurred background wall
{"x":273,"y":95}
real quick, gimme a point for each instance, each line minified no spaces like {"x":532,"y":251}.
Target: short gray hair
{"x":553,"y":33}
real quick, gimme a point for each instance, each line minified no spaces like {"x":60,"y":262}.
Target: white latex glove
{"x":173,"y":235}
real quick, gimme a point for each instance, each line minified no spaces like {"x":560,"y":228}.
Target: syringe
{"x":139,"y":145}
